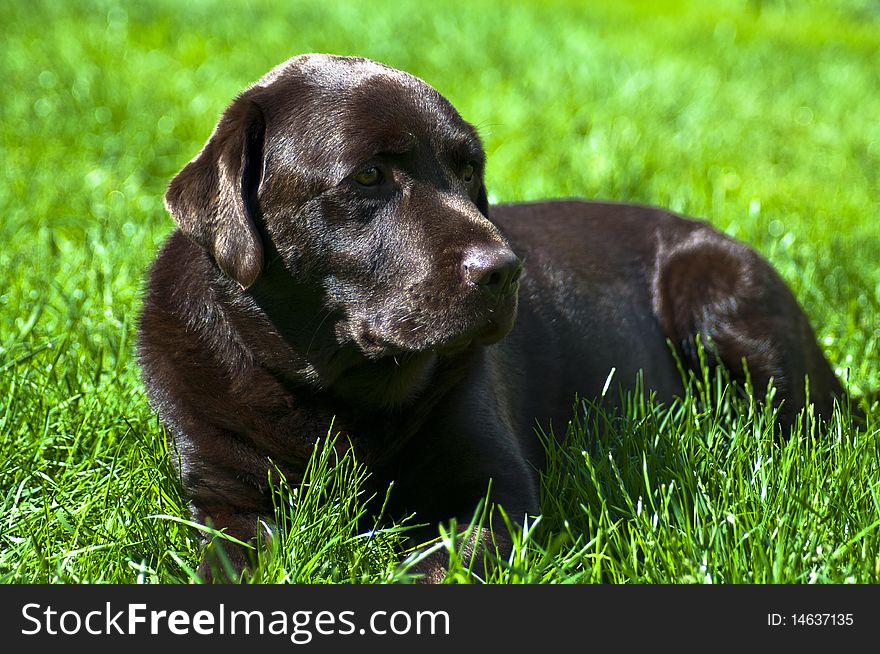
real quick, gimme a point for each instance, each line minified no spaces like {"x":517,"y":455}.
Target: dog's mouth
{"x":405,"y":337}
{"x":377,"y":347}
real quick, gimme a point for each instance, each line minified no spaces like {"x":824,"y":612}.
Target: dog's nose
{"x":494,"y":269}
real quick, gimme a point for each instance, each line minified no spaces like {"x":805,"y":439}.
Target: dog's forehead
{"x":351,"y":109}
{"x":335,"y":73}
{"x":331,"y":85}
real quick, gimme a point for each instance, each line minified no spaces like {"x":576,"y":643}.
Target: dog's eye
{"x":370,"y":176}
{"x":468,"y":172}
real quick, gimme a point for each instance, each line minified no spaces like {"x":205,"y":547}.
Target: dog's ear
{"x":213,"y":199}
{"x":483,"y":201}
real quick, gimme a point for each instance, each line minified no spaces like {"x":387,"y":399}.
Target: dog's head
{"x":366,"y":185}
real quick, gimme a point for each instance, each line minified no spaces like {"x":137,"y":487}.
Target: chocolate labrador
{"x":336,"y":259}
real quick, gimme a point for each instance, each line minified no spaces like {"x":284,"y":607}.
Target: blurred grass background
{"x":761,"y":116}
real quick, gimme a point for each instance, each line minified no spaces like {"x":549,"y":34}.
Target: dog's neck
{"x":307,"y":353}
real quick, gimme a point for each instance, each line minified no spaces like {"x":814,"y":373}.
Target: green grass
{"x":759,"y":116}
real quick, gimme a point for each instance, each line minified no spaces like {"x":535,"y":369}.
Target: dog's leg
{"x":224,"y":560}
{"x":725,"y":293}
{"x":458,"y":491}
{"x":473,"y":546}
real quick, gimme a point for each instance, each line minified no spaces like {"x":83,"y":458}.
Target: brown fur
{"x":298,"y":290}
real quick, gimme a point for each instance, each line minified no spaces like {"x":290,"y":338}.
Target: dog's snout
{"x":494,"y":270}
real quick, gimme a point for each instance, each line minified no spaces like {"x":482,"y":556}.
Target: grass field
{"x":759,"y":116}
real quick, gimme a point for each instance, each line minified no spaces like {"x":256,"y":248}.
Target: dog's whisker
{"x":327,"y":313}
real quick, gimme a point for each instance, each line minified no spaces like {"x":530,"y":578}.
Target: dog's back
{"x":629,"y":288}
